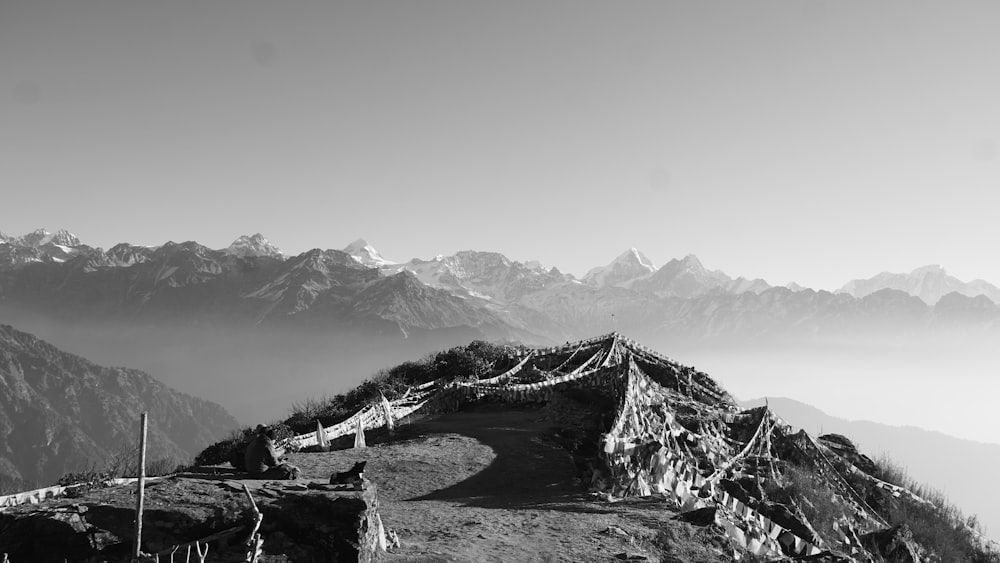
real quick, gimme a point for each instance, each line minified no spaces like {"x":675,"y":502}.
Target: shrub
{"x":937,"y":525}
{"x":819,"y":504}
{"x":476,"y":360}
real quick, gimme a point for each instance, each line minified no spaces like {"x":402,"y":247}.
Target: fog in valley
{"x":939,"y":381}
{"x":932,"y":380}
{"x":257,"y":374}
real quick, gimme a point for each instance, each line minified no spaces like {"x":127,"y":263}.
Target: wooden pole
{"x":136,"y":549}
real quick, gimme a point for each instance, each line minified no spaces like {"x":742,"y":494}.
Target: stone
{"x":893,"y":545}
{"x":698,"y":517}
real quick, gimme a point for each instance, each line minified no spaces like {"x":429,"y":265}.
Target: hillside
{"x":60,"y":413}
{"x":929,"y":457}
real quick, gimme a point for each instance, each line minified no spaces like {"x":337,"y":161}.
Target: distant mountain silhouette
{"x":62,"y":413}
{"x":929,"y":283}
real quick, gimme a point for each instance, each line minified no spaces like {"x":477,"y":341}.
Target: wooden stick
{"x":253,"y":505}
{"x":207,"y":539}
{"x":139,"y":494}
{"x":201,"y":556}
{"x":254,"y":541}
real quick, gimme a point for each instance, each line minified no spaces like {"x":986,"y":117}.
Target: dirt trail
{"x":490,"y":485}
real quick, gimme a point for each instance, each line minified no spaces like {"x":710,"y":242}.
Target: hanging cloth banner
{"x":390,"y":424}
{"x":359,"y":436}
{"x":321,"y":437}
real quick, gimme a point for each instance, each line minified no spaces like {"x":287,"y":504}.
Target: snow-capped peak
{"x":253,"y":245}
{"x":622,"y":271}
{"x":41,"y":237}
{"x":364,"y":253}
{"x":632,"y":255}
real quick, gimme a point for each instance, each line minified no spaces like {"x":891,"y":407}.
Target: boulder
{"x":847,"y":450}
{"x":698,"y":517}
{"x":893,"y":545}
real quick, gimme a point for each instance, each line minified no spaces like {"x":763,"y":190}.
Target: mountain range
{"x":929,"y":283}
{"x":483,"y":293}
{"x":60,"y":413}
{"x":248,"y":317}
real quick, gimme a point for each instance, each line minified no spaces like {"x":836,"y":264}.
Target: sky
{"x":804,"y":141}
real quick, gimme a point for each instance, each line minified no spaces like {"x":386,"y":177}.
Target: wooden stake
{"x":201,"y":555}
{"x":136,"y":549}
{"x":254,"y":542}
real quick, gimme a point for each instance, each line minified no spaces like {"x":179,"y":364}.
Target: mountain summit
{"x":622,"y":271}
{"x":40,"y":245}
{"x":366,"y":254}
{"x":41,"y":237}
{"x":687,"y":278}
{"x":254,"y":245}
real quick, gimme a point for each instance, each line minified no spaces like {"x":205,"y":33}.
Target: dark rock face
{"x":894,"y":545}
{"x":60,"y":413}
{"x":302,"y":522}
{"x":847,"y":450}
{"x":698,"y":517}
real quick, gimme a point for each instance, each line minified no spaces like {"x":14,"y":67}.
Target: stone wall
{"x":303,"y":521}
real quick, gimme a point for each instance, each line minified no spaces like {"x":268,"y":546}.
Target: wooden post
{"x":137,"y":547}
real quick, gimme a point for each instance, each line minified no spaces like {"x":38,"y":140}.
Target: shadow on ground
{"x":530,"y":470}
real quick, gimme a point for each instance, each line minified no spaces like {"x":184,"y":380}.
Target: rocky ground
{"x":485,"y":484}
{"x":494,"y":485}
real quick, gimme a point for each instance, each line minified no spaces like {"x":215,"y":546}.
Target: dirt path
{"x":489,"y":485}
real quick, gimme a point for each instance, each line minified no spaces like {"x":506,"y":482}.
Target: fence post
{"x":136,"y":549}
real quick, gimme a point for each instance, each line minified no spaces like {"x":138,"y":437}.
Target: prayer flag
{"x":321,"y":436}
{"x":359,"y":436}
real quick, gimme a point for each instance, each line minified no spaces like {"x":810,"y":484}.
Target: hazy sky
{"x":809,"y":141}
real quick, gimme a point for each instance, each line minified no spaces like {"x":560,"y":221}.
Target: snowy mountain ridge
{"x":491,"y":277}
{"x":254,"y":245}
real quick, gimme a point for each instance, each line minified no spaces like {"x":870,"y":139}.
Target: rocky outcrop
{"x":894,"y":545}
{"x":302,"y":521}
{"x":846,"y":449}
